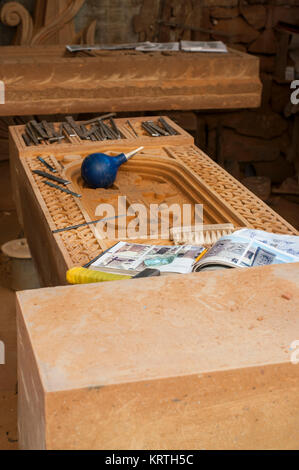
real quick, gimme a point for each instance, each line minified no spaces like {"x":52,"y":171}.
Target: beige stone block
{"x":200,"y":361}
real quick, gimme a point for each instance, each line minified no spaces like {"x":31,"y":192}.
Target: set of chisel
{"x":159,"y":129}
{"x":52,"y":180}
{"x":98,"y":131}
{"x":41,"y":133}
{"x":100,"y":128}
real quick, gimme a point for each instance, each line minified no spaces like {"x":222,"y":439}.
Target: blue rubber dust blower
{"x":99,"y":170}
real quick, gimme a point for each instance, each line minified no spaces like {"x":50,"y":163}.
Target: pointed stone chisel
{"x":51,"y":177}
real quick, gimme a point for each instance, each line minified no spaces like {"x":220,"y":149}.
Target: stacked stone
{"x":261,"y":139}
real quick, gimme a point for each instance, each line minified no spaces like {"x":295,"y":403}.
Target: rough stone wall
{"x":114,"y":19}
{"x":249,"y":141}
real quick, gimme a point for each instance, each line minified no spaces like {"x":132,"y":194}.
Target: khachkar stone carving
{"x":52,"y":23}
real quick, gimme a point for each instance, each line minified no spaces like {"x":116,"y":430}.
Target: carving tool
{"x":149,"y":130}
{"x":69,"y":130}
{"x":52,"y":130}
{"x":148,"y":272}
{"x":75,"y":126}
{"x":116,"y":129}
{"x":51,"y":177}
{"x":48,"y":129}
{"x":97,"y":133}
{"x":56,"y":139}
{"x":132,"y":128}
{"x":94,"y":130}
{"x":101,"y":132}
{"x":99,"y":170}
{"x":27,"y":140}
{"x":47,"y":165}
{"x":109,"y":132}
{"x":99,"y":118}
{"x":60,"y":132}
{"x":84,"y":131}
{"x":88,"y":276}
{"x":91,"y":131}
{"x":65,"y":190}
{"x":167,"y":126}
{"x":31,"y":134}
{"x":85,"y":224}
{"x":157,"y":128}
{"x":38,"y":128}
{"x":34,"y":132}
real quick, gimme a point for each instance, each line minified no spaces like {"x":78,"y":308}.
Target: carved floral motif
{"x":52,"y":23}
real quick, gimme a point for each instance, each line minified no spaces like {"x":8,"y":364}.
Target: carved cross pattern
{"x":52,"y":23}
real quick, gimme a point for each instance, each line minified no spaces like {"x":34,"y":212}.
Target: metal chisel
{"x":47,"y":165}
{"x":65,"y":190}
{"x":51,"y":177}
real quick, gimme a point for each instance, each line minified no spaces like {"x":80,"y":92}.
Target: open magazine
{"x":132,"y":258}
{"x":203,"y":46}
{"x":247,"y":247}
{"x":243,"y":248}
{"x":186,"y":46}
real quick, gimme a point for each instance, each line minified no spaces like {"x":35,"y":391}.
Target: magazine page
{"x":158,"y":46}
{"x":246,"y":248}
{"x":287,"y":244}
{"x":203,"y":46}
{"x":105,"y":47}
{"x":134,"y":257}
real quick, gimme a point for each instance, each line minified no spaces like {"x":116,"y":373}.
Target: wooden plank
{"x":44,"y":79}
{"x":186,"y":362}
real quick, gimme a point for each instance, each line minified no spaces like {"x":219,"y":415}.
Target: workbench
{"x":197,"y":361}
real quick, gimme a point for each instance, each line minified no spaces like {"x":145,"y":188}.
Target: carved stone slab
{"x":186,"y":173}
{"x":43,"y":80}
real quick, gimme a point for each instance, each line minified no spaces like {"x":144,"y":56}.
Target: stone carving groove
{"x":245,"y":203}
{"x":189,"y":173}
{"x":81,"y":244}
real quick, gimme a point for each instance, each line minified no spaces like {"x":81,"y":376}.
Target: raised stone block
{"x":44,"y":80}
{"x":200,"y":361}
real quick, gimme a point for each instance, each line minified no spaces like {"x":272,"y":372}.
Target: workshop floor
{"x":11,"y":230}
